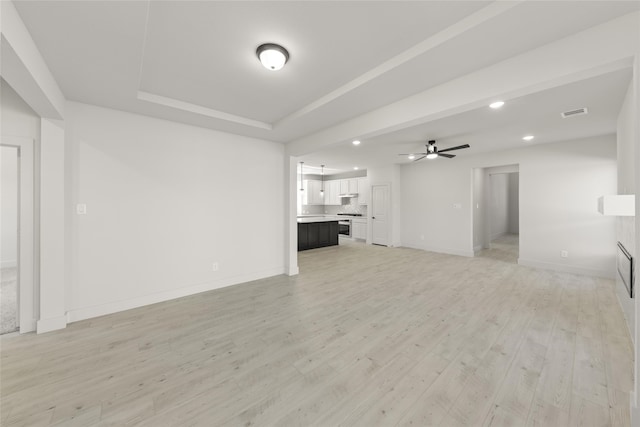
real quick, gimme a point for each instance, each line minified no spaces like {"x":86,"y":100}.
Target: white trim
{"x":199,"y":109}
{"x":51,"y":324}
{"x":475,"y":19}
{"x":566,"y":268}
{"x":24,"y":68}
{"x":117,"y":306}
{"x":26,"y":230}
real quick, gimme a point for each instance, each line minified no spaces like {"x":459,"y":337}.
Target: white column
{"x":52,"y":227}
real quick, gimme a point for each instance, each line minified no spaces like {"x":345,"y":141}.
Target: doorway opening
{"x":9,"y":202}
{"x":496,"y":219}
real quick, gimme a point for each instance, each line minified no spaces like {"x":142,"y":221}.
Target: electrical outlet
{"x":81,"y":209}
{"x":457,"y":206}
{"x":564,"y":254}
{"x":215,"y":266}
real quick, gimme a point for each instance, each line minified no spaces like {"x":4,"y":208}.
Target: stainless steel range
{"x":344,"y":224}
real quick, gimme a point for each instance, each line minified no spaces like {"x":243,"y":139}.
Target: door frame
{"x":26,"y":233}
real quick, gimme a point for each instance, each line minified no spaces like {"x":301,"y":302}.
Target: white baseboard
{"x":566,"y":268}
{"x":26,"y":327}
{"x":83,"y":313}
{"x":8,"y":263}
{"x":448,"y":251}
{"x":51,"y":324}
{"x":292,"y":271}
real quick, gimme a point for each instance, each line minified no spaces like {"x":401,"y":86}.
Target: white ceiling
{"x":485,"y":129}
{"x":194,"y":62}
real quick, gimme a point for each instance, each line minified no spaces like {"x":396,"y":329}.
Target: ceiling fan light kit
{"x":433,"y":153}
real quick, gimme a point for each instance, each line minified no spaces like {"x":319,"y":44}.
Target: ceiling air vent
{"x":572,"y":113}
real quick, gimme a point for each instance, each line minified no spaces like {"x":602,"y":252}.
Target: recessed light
{"x":355,"y":168}
{"x":356,"y":142}
{"x":411,"y":157}
{"x":497,"y":104}
{"x":528,"y":137}
{"x":272,"y":56}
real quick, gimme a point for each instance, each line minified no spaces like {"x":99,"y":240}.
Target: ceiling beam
{"x":601,"y":49}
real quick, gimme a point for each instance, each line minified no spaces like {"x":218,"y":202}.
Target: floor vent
{"x":577,"y":112}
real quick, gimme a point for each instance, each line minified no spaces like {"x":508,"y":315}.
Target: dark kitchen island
{"x":317,"y":232}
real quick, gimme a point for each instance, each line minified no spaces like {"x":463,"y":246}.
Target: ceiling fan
{"x":432,"y":152}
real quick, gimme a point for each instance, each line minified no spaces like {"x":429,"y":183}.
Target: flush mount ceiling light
{"x":496,"y":105}
{"x":355,"y":168}
{"x":356,"y":142}
{"x":528,"y":137}
{"x":411,"y":156}
{"x":272,"y":56}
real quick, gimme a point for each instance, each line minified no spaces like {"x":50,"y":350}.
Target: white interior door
{"x":380,"y":214}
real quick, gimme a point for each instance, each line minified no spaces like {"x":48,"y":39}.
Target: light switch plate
{"x":81,"y":209}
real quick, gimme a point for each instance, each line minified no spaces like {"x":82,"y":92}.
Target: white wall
{"x":164,"y":202}
{"x":9,"y":207}
{"x":514,"y":203}
{"x":625,"y":226}
{"x":504,"y":204}
{"x":499,"y":207}
{"x":478,"y":208}
{"x":559,"y":187}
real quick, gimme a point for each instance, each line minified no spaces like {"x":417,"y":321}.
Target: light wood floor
{"x":364,"y":336}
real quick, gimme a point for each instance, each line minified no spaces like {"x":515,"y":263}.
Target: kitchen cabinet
{"x":332,"y":193}
{"x":359,"y":230}
{"x":363,"y":193}
{"x":312,"y":194}
{"x":313,"y":235}
{"x":349,"y":186}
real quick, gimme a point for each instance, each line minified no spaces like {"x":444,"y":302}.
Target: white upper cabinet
{"x":349,"y":186}
{"x":363,"y":191}
{"x":353,"y":185}
{"x":332,"y":193}
{"x":344,"y":186}
{"x":312,"y":194}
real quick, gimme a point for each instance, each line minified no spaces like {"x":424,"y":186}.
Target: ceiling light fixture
{"x":432,"y":151}
{"x":322,"y":178}
{"x":528,"y":137}
{"x":301,"y":177}
{"x":355,"y":168}
{"x":356,"y":142}
{"x":411,"y":156}
{"x":272,"y":56}
{"x":496,"y":105}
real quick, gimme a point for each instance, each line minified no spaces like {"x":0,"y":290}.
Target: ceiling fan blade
{"x":454,"y":148}
{"x":420,"y":158}
{"x":448,"y":156}
{"x":413,"y":154}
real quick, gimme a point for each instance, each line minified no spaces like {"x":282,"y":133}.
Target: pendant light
{"x":322,"y":178}
{"x":301,"y":177}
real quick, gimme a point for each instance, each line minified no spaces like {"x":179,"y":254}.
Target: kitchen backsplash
{"x":351,"y":207}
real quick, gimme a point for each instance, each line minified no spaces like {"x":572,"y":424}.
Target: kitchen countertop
{"x":319,"y":218}
{"x":322,"y":218}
